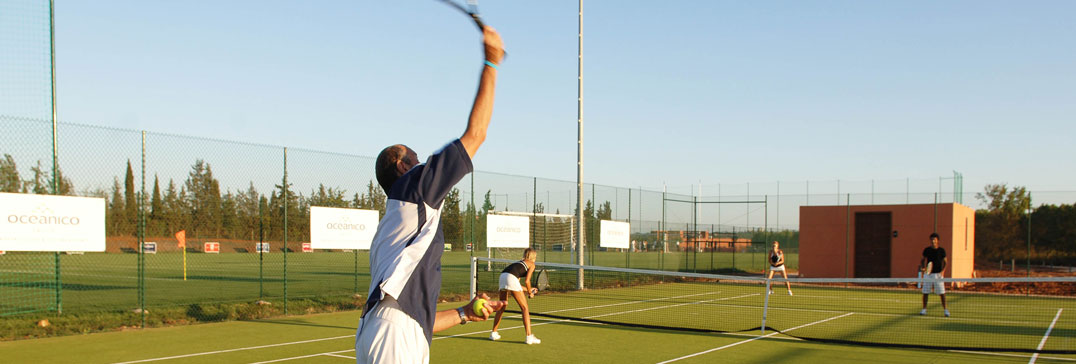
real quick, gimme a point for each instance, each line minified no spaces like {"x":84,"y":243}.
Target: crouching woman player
{"x":509,"y":282}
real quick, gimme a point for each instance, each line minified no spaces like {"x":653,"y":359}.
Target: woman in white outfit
{"x":777,"y":264}
{"x":510,"y":283}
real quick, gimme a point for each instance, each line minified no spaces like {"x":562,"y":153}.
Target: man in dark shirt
{"x":400,"y":315}
{"x":934,"y":257}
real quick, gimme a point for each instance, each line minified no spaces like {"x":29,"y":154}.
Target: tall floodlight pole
{"x":579,"y":163}
{"x":55,"y":181}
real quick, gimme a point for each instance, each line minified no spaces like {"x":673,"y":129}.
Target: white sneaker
{"x":946,"y":312}
{"x":789,"y":293}
{"x":923,"y":312}
{"x":494,"y":336}
{"x":771,"y":291}
{"x":531,"y":340}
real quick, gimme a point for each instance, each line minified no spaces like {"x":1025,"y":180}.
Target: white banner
{"x":337,"y":228}
{"x":507,"y":231}
{"x":45,"y":223}
{"x":614,"y":234}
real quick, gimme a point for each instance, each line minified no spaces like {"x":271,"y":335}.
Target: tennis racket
{"x":542,"y":280}
{"x":471,"y":10}
{"x":923,"y":274}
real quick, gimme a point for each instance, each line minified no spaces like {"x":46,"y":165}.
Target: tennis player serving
{"x":509,"y":282}
{"x":400,"y":316}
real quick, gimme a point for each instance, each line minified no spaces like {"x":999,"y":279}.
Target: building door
{"x":873,"y":244}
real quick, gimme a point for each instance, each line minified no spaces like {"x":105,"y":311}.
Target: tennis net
{"x":1033,"y":315}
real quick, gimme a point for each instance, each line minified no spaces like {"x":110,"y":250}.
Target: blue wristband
{"x":488,"y":63}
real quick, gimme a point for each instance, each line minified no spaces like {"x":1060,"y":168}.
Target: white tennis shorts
{"x":509,"y":282}
{"x":938,"y":287}
{"x":777,"y":269}
{"x":388,"y":335}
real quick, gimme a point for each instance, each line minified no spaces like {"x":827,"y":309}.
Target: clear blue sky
{"x":677,"y":92}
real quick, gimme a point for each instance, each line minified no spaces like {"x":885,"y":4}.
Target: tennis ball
{"x":478,"y":306}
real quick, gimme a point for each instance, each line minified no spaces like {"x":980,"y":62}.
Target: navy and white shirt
{"x":405,"y":256}
{"x":518,"y":269}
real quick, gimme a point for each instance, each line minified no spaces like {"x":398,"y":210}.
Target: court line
{"x":341,"y":356}
{"x":1047,"y":336}
{"x":1010,"y":355}
{"x":304,"y":356}
{"x":540,"y":324}
{"x":753,"y":339}
{"x":233,"y":350}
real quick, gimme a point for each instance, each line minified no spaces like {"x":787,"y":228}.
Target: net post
{"x":765,"y":305}
{"x":474,"y":277}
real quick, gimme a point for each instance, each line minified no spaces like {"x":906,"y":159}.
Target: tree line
{"x":198,"y":205}
{"x":1001,"y":228}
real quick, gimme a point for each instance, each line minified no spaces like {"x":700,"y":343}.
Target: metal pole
{"x":594,"y":209}
{"x":664,"y":233}
{"x":534,"y":215}
{"x":474,"y":277}
{"x":1029,"y":238}
{"x":355,"y":252}
{"x":695,"y":232}
{"x":777,"y":224}
{"x":285,"y":193}
{"x":935,"y":212}
{"x":58,"y":283}
{"x":579,"y":146}
{"x":474,"y":216}
{"x":847,"y":230}
{"x":142,"y":238}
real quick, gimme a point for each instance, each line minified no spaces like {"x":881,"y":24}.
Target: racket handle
{"x":478,"y":22}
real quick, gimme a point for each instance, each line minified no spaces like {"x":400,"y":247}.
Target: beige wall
{"x":827,"y":235}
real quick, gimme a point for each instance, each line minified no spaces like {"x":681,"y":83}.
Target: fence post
{"x":142,"y":238}
{"x":285,"y":192}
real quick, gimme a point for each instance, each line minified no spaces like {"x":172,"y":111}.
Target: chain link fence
{"x":245,"y":210}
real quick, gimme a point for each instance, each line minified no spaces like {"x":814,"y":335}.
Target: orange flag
{"x":182,"y":237}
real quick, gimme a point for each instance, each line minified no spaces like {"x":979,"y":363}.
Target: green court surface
{"x":328,"y":338}
{"x":95,"y":282}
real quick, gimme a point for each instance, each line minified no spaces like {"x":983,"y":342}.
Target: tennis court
{"x":879,"y":315}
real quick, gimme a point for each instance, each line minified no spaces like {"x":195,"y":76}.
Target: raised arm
{"x":482,"y":110}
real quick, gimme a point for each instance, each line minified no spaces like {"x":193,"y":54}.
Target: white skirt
{"x":777,"y":269}
{"x":509,"y":282}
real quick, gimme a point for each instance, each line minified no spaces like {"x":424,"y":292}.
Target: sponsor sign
{"x":614,"y":234}
{"x":307,"y":248}
{"x":507,"y":231}
{"x":51,"y":223}
{"x":149,"y":247}
{"x":211,"y":247}
{"x":337,"y":228}
{"x":261,"y":247}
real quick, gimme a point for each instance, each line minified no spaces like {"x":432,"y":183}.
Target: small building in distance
{"x":881,"y":241}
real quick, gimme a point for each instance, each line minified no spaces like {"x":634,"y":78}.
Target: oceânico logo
{"x":42,"y":216}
